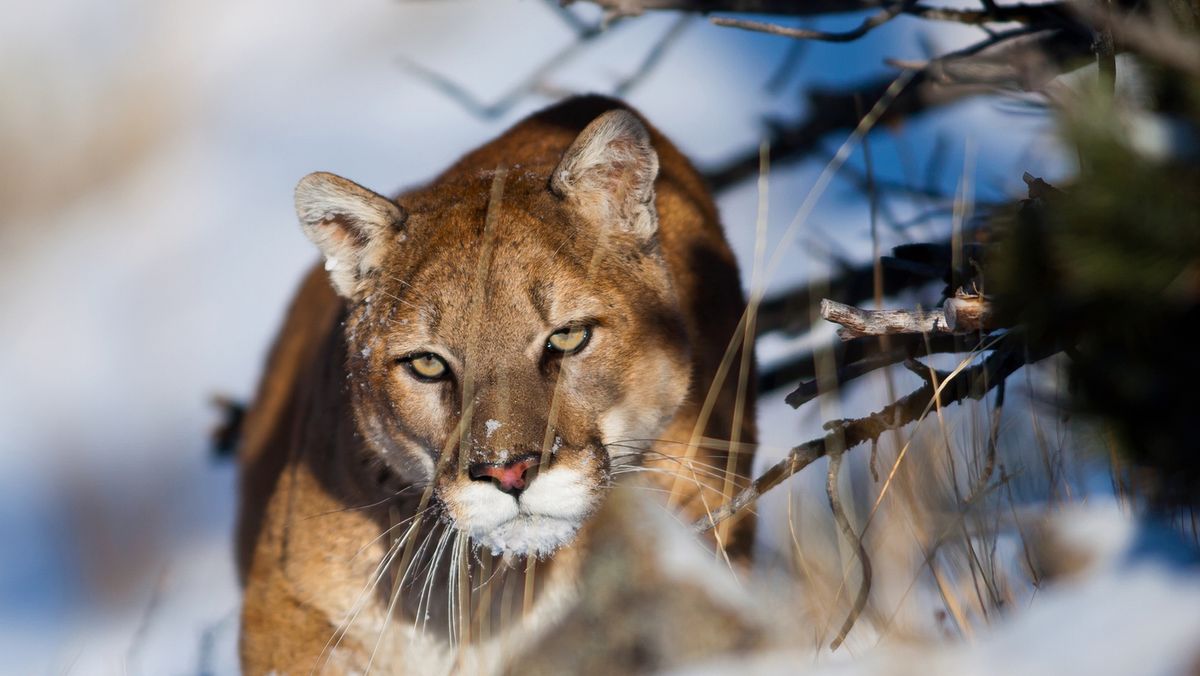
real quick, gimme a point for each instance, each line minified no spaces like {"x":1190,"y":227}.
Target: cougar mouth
{"x":536,"y":521}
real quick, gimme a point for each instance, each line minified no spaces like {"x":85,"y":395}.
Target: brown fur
{"x":344,"y":444}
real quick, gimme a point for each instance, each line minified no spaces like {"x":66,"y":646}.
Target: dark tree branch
{"x":856,"y":358}
{"x":1048,"y":15}
{"x":1024,"y":59}
{"x":991,"y":12}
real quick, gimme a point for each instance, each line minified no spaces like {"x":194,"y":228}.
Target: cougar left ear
{"x":608,"y":173}
{"x":349,"y":224}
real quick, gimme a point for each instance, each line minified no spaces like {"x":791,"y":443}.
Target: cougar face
{"x":509,"y":333}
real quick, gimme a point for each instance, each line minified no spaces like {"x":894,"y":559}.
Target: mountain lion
{"x":453,"y":395}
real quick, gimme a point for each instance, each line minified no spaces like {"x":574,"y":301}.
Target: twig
{"x":870,"y":23}
{"x":653,"y":56}
{"x":791,"y":59}
{"x":980,"y":378}
{"x":532,"y":83}
{"x":536,"y":81}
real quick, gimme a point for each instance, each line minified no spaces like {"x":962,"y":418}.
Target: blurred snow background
{"x":148,"y":247}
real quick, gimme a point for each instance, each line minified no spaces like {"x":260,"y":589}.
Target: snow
{"x":1133,"y":611}
{"x":491,"y":426}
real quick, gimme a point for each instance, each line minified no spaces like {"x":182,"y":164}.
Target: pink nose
{"x":510,"y":477}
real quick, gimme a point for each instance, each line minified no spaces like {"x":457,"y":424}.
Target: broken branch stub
{"x":968,"y":314}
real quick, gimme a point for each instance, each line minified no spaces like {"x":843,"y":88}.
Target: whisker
{"x":451,"y":587}
{"x":387,"y":619}
{"x":417,"y":557}
{"x":691,"y":466}
{"x":654,"y":470}
{"x":391,"y":528}
{"x":360,"y":602}
{"x":430,"y":577}
{"x":362,"y":507}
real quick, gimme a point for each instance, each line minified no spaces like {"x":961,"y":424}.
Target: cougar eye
{"x":568,"y":339}
{"x":427,"y":366}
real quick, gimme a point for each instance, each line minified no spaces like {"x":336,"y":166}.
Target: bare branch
{"x":857,"y":322}
{"x":874,"y":21}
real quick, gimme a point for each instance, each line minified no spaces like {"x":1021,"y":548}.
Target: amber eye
{"x":427,"y":366}
{"x":568,"y":339}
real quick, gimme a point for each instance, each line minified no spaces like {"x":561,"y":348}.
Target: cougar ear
{"x":349,"y":224}
{"x":608,"y":173}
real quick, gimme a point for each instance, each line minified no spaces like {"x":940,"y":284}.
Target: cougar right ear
{"x":349,"y":224}
{"x":608,"y":173}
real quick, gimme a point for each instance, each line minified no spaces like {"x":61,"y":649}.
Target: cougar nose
{"x":510,"y":477}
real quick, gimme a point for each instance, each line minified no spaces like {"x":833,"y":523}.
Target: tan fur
{"x":598,"y":219}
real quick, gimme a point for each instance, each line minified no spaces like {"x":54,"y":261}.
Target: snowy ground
{"x":148,"y":246}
